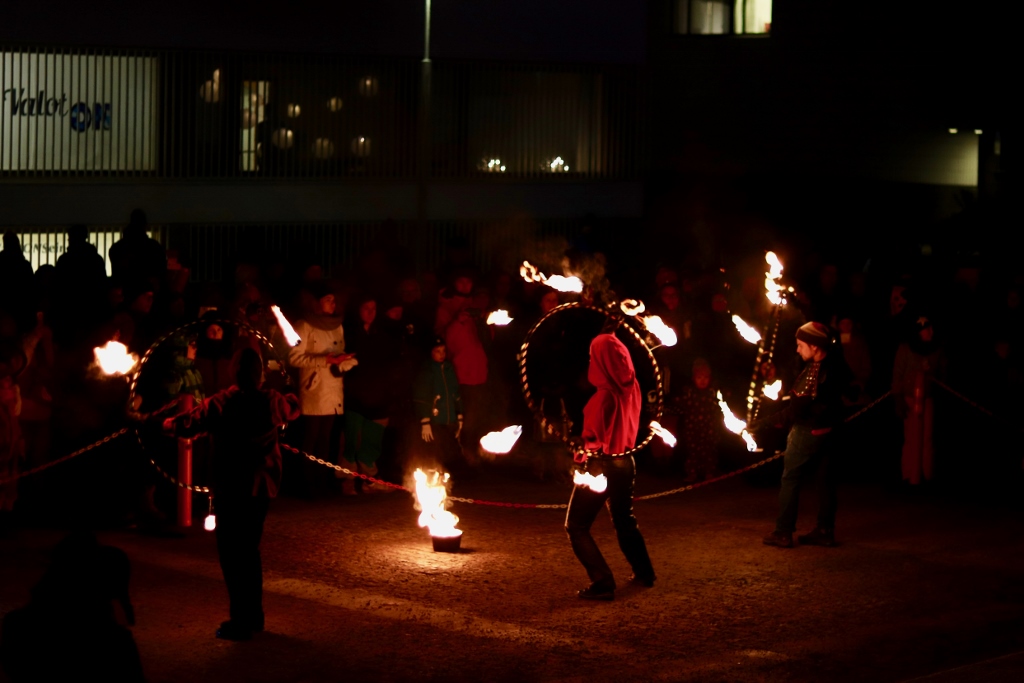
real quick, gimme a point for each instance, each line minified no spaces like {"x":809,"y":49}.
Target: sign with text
{"x":77,"y":112}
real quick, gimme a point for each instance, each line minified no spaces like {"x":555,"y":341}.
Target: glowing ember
{"x":498,"y":317}
{"x":560,"y":282}
{"x":745,"y":330}
{"x":632,"y":306}
{"x":732,"y":423}
{"x":503,"y":441}
{"x":772,"y":390}
{"x":287,"y":330}
{"x":666,"y":436}
{"x":210,"y":523}
{"x":656,"y":326}
{"x":114,"y":359}
{"x":596,"y":484}
{"x":431,"y":494}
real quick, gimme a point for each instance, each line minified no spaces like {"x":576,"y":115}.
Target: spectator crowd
{"x":396,"y":367}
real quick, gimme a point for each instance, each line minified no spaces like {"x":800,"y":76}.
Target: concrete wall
{"x":55,"y":203}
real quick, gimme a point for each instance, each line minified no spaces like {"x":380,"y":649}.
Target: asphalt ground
{"x":925,"y":584}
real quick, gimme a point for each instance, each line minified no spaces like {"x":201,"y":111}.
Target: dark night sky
{"x":532,"y":30}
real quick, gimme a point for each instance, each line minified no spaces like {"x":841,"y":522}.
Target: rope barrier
{"x":96,"y":444}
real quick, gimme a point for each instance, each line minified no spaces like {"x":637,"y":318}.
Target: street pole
{"x":423,"y":162}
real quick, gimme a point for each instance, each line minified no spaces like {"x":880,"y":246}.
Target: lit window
{"x":255,"y":95}
{"x":723,"y":17}
{"x":753,"y":16}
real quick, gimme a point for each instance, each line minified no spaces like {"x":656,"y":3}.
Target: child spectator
{"x":701,"y":419}
{"x":439,"y":405}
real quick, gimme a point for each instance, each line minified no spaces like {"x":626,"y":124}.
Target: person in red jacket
{"x":611,"y":420}
{"x":243,"y":421}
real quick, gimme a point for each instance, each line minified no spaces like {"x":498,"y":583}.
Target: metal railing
{"x":119,"y":113}
{"x":212,"y":251}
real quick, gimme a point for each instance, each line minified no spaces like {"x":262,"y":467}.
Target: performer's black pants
{"x":583,"y":508}
{"x":239,"y":529}
{"x":805,"y":455}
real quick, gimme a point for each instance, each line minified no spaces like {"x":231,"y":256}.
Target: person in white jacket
{"x":322,"y":362}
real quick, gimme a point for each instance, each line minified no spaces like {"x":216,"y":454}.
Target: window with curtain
{"x":723,"y":17}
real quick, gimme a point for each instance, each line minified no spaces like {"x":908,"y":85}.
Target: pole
{"x":423,"y":161}
{"x":186,"y":403}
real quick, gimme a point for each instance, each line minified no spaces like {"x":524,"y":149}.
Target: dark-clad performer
{"x":611,"y":420}
{"x":243,"y":421}
{"x":815,"y":408}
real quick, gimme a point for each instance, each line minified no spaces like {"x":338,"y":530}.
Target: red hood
{"x":611,"y":419}
{"x":611,"y":368}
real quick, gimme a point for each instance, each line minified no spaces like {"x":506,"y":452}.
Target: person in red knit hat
{"x":814,"y":410}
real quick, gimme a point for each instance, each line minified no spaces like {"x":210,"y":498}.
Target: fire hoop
{"x":535,"y":408}
{"x":132,"y":391}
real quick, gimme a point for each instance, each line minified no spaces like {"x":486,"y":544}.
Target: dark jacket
{"x":370,"y":386}
{"x":816,"y":399}
{"x":437,"y":388}
{"x":244,"y":426}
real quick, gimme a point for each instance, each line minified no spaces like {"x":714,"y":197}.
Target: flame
{"x":736,"y":425}
{"x":210,"y":523}
{"x":751,"y":444}
{"x":772,"y":390}
{"x":656,"y":326}
{"x":666,"y":436}
{"x":431,"y":494}
{"x":503,"y":441}
{"x":287,"y":330}
{"x":745,"y":330}
{"x":562,"y":283}
{"x":732,"y":423}
{"x":632,"y":306}
{"x":114,"y":359}
{"x":773,"y":290}
{"x":498,"y":317}
{"x":596,"y":484}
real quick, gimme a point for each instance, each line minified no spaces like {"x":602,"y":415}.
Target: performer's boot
{"x":822,"y":537}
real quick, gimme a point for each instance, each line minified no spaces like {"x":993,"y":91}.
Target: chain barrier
{"x":96,"y":444}
{"x":563,"y":506}
{"x":343,"y":470}
{"x":963,"y":398}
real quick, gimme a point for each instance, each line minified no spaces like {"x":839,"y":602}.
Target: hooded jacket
{"x":321,"y":392}
{"x":611,"y":418}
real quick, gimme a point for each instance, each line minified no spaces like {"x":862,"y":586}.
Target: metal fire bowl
{"x":450,"y":544}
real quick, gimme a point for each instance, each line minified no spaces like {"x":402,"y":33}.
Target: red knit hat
{"x":814,"y":334}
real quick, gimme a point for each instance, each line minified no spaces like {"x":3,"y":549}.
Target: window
{"x":723,"y":17}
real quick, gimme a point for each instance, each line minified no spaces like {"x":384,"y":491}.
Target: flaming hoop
{"x":776,"y":293}
{"x":659,"y":383}
{"x":146,"y":357}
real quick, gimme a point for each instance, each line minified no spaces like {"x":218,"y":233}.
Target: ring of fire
{"x":659,"y":383}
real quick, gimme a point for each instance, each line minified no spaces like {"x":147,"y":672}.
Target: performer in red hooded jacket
{"x":611,"y":420}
